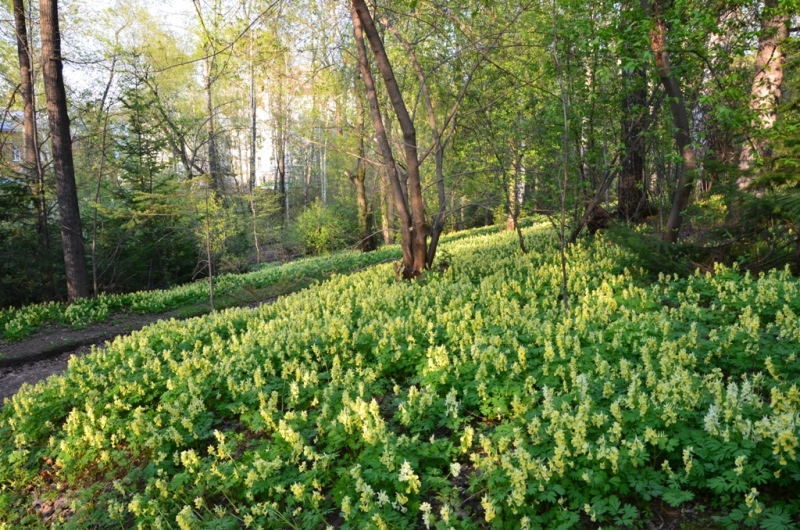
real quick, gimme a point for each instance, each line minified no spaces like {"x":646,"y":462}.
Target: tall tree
{"x":210,"y":74}
{"x":61,"y":141}
{"x":680,"y":118}
{"x":413,"y":223}
{"x":33,"y":165}
{"x":767,"y":83}
{"x":631,"y":191}
{"x":385,"y":149}
{"x":358,"y":178}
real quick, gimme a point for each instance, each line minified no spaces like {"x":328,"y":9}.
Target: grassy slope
{"x":230,"y":290}
{"x":465,"y":400}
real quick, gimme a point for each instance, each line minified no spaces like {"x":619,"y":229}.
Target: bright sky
{"x":174,"y":12}
{"x":176,"y":15}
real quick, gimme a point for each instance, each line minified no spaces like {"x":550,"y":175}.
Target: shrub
{"x":322,"y":229}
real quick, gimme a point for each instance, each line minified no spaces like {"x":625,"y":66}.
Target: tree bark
{"x":61,"y":141}
{"x":438,"y":148}
{"x":214,"y":166}
{"x":307,"y":179}
{"x":631,"y":192}
{"x":358,"y":178}
{"x":415,"y":237}
{"x":387,"y":210}
{"x":253,"y":116}
{"x":516,"y":191}
{"x":680,"y":119}
{"x":33,"y":164}
{"x":413,"y":260}
{"x":767,"y":84}
{"x":252,"y":155}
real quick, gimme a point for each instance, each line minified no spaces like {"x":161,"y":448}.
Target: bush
{"x":322,"y":229}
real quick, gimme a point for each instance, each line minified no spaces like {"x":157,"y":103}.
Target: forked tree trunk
{"x":767,"y":84}
{"x":414,"y":236}
{"x":412,"y":230}
{"x":680,"y":120}
{"x":438,"y":147}
{"x":61,"y":141}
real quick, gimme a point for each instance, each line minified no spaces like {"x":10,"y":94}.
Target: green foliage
{"x":468,"y":400}
{"x":651,"y":253}
{"x":322,"y":228}
{"x":20,"y":323}
{"x":20,"y":276}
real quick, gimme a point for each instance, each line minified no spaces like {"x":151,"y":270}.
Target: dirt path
{"x":12,"y":378}
{"x":47,"y":352}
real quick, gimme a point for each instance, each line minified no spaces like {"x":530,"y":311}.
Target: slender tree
{"x":33,"y":165}
{"x":413,"y":223}
{"x":61,"y":141}
{"x":390,"y":167}
{"x":767,"y":83}
{"x":358,"y":178}
{"x":631,"y":191}
{"x":680,"y":118}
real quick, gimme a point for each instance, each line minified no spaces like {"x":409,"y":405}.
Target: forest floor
{"x":48,"y":351}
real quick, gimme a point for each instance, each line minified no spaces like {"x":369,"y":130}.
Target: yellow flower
{"x":488,"y":506}
{"x":407,"y":475}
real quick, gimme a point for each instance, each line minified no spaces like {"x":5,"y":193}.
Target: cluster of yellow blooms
{"x":375,"y":399}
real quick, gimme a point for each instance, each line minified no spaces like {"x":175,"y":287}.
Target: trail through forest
{"x":48,"y":351}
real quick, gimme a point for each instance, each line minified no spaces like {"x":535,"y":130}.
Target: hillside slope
{"x":467,"y":399}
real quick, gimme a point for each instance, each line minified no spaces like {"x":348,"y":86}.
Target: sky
{"x":177,"y":15}
{"x":175,"y":12}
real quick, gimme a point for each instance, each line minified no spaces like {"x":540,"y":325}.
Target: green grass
{"x":467,"y":399}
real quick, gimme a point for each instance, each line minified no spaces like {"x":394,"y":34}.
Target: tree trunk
{"x":410,"y":257}
{"x":214,"y":171}
{"x":253,"y":138}
{"x":516,"y":193}
{"x":280,"y":168}
{"x":324,"y":171}
{"x":680,"y":119}
{"x":367,"y":240}
{"x":33,"y":165}
{"x":282,"y":183}
{"x":387,"y":211}
{"x":438,"y":146}
{"x":414,"y":236}
{"x":767,"y":85}
{"x":307,"y":180}
{"x":71,"y":233}
{"x":631,"y":191}
{"x":253,"y":116}
{"x":460,"y":225}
